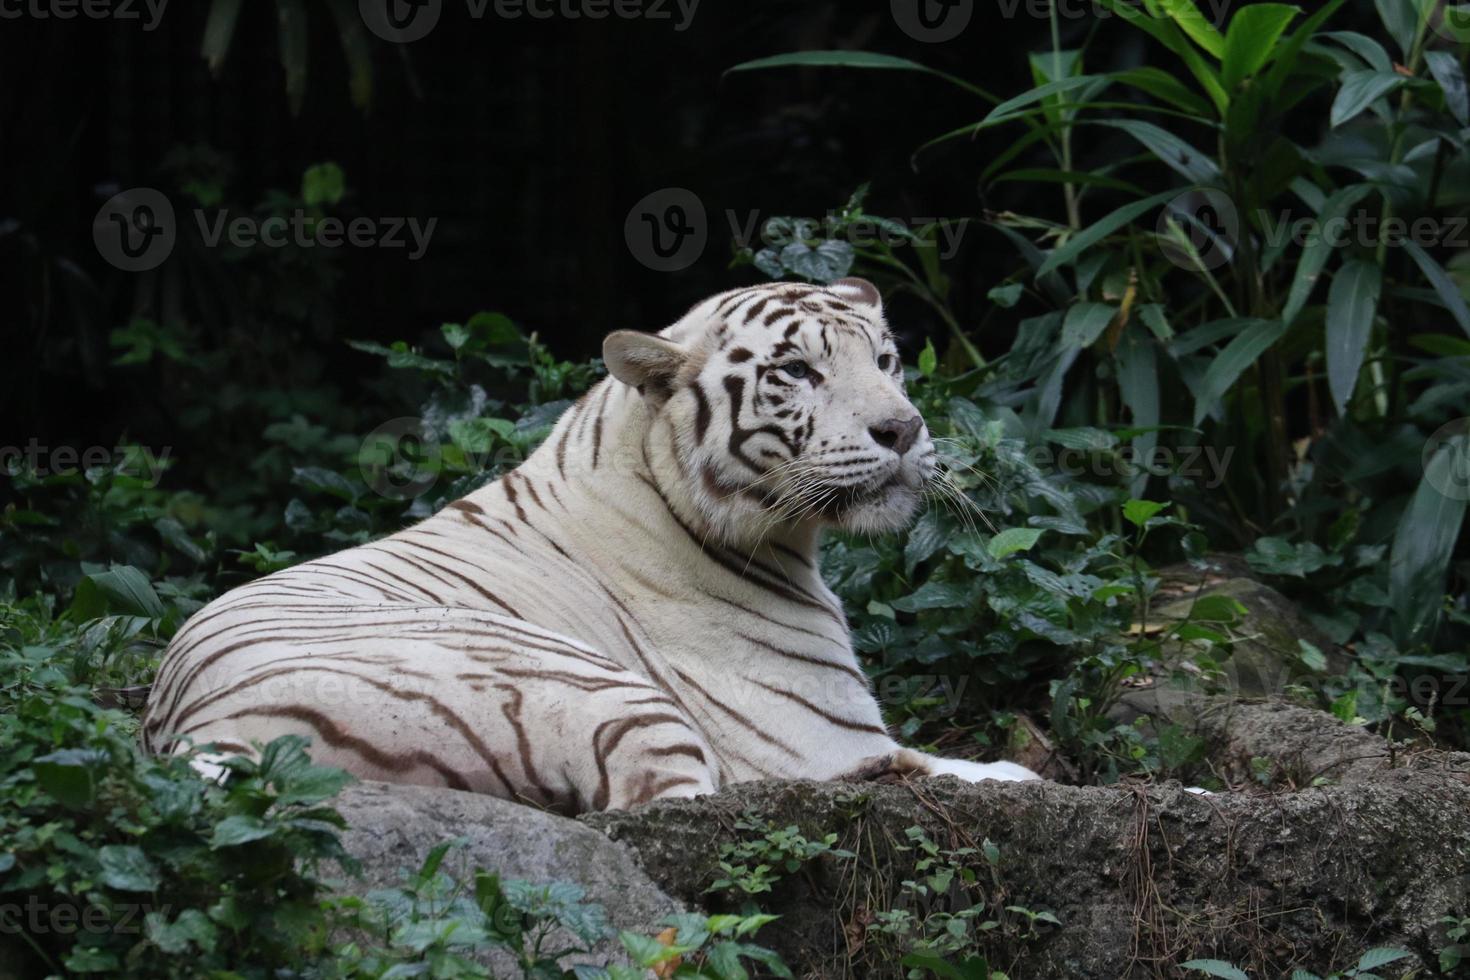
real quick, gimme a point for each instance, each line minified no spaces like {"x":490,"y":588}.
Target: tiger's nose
{"x":897,"y":434}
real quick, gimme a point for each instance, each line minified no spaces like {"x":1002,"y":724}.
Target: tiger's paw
{"x":975,"y":771}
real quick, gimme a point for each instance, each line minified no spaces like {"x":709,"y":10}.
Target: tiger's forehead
{"x":777,"y":314}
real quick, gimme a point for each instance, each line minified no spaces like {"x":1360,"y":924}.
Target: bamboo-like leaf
{"x":357,"y":49}
{"x":1360,"y":89}
{"x":1085,"y":322}
{"x":1007,"y":110}
{"x":1172,"y":151}
{"x":1290,"y":52}
{"x":1194,"y":23}
{"x":1167,"y":34}
{"x":1162,"y":85}
{"x":1251,"y":40}
{"x":1352,"y":303}
{"x":1424,"y":542}
{"x":295,"y":49}
{"x":1039,"y":175}
{"x":1090,"y":236}
{"x":1449,"y":292}
{"x":1447,"y":71}
{"x":1138,"y":385}
{"x":1316,"y":252}
{"x":856,"y":59}
{"x":1364,"y":47}
{"x":1254,"y":339}
{"x":219,"y":32}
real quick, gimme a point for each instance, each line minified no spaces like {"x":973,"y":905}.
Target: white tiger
{"x":635,"y":612}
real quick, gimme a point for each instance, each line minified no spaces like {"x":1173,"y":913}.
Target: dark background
{"x":528,"y":140}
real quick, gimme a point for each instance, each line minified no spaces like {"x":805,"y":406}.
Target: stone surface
{"x":392,"y":828}
{"x":1141,"y":878}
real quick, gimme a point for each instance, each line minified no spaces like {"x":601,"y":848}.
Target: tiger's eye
{"x":796,"y":369}
{"x":887,"y":362}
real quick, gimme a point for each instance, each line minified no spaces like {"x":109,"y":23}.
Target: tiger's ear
{"x":644,"y":360}
{"x":858,"y":292}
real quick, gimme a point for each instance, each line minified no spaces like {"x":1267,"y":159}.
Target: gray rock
{"x":391,"y":829}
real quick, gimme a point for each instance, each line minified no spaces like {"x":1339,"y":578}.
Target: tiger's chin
{"x":890,"y":508}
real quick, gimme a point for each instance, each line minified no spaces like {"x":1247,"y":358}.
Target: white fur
{"x":634,"y":613}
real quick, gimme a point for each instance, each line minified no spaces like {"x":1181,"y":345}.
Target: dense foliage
{"x":1201,"y":365}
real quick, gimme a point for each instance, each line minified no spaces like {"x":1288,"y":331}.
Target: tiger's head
{"x":782,"y":404}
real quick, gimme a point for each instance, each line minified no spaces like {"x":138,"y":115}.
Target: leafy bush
{"x":1188,"y":317}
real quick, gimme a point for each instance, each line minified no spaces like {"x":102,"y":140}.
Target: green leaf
{"x":239,"y":829}
{"x":1254,"y":339}
{"x":1012,"y":540}
{"x":294,"y":46}
{"x":1448,"y":291}
{"x":1162,"y":85}
{"x":128,"y":590}
{"x":219,"y":31}
{"x":1352,"y":305}
{"x":1006,"y":295}
{"x":323,"y":185}
{"x":1448,"y":72}
{"x":1401,"y":20}
{"x":1138,"y":512}
{"x":1360,"y":89}
{"x":1381,"y":956}
{"x":1316,"y":252}
{"x":1085,"y":322}
{"x":928,"y":359}
{"x":1167,"y":34}
{"x":1173,"y":152}
{"x":1138,"y":386}
{"x":934,"y":595}
{"x":1424,"y":542}
{"x":1217,"y":609}
{"x":854,"y":59}
{"x":68,"y":781}
{"x":1090,"y":236}
{"x":1217,"y":968}
{"x":1194,"y":23}
{"x":1251,"y":39}
{"x":126,"y":868}
{"x":1008,"y":110}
